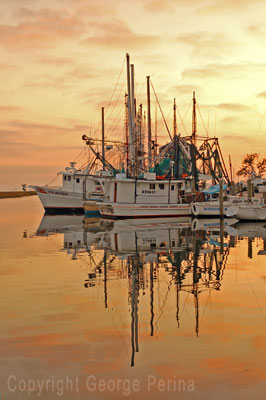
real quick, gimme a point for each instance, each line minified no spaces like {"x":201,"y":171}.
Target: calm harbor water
{"x":144,"y":309}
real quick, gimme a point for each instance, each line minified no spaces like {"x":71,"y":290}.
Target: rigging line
{"x":208,"y":300}
{"x":256,"y":298}
{"x":258,"y":130}
{"x":96,"y":132}
{"x":182,"y":119}
{"x":108,"y":117}
{"x":161,"y":111}
{"x":116,"y":121}
{"x":116,"y":84}
{"x":184,"y":304}
{"x":160,"y":122}
{"x":76,"y":158}
{"x":164,"y":302}
{"x":202,"y":120}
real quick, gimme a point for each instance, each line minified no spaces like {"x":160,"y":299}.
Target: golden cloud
{"x":116,"y":34}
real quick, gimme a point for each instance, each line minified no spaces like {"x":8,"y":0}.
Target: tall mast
{"x":155,"y":134}
{"x":131,"y":140}
{"x":193,"y":146}
{"x":175,"y":127}
{"x":126,"y":130}
{"x":194,"y":120}
{"x":103,"y":152}
{"x":149,"y":118}
{"x":133,"y":114}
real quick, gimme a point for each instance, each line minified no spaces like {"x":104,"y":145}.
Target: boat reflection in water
{"x":193,"y":254}
{"x":139,"y":251}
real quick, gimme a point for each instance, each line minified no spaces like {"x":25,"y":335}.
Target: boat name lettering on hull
{"x":57,"y":193}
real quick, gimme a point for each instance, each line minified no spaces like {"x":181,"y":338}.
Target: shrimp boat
{"x":164,"y":183}
{"x":146,"y":198}
{"x":68,"y":198}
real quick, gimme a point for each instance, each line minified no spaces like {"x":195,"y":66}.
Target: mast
{"x":103,"y":153}
{"x":175,"y":127}
{"x":131,"y":139}
{"x":149,"y":118}
{"x":194,"y":120}
{"x":105,"y":278}
{"x":193,"y":146}
{"x":230,"y":165}
{"x":133,"y":114}
{"x":155,"y":134}
{"x":151,"y":297}
{"x":126,"y":129}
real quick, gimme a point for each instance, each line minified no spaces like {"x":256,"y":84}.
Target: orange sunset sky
{"x":60,"y":61}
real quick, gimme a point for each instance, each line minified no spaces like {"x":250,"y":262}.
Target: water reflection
{"x":193,"y":254}
{"x":128,"y":299}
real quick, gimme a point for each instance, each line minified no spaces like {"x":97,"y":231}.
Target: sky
{"x":62,"y":60}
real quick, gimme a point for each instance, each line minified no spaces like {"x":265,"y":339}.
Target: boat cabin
{"x":147,"y":190}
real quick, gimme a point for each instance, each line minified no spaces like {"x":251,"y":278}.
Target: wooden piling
{"x":221,"y":199}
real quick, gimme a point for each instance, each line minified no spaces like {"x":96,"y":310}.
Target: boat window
{"x":161,"y":185}
{"x":77,"y":180}
{"x":152,"y":185}
{"x":172,"y":187}
{"x":64,"y":177}
{"x":69,"y":178}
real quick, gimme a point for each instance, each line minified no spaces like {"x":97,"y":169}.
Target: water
{"x":103,"y":310}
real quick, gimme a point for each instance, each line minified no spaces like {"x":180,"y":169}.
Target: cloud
{"x":258,"y":30}
{"x":229,"y":71}
{"x":10,"y":109}
{"x":116,"y":34}
{"x":206,"y":44}
{"x":167,"y":5}
{"x":234,"y":107}
{"x":214,"y":6}
{"x":56,"y":61}
{"x":262,"y":95}
{"x":203,"y":6}
{"x":65,"y":80}
{"x":230,"y":120}
{"x":44,"y":128}
{"x":44,"y":29}
{"x":186,"y":89}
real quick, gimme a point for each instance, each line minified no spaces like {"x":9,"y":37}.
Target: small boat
{"x":253,"y":211}
{"x":68,"y":198}
{"x":211,"y":206}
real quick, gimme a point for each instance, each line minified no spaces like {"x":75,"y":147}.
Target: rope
{"x":161,"y":111}
{"x":258,"y":130}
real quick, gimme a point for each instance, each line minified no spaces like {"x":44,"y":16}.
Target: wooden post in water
{"x":249,"y":247}
{"x":232,"y":188}
{"x":249,"y":188}
{"x":221,"y":240}
{"x":221,"y":199}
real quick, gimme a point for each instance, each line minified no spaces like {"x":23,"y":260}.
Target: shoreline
{"x":16,"y":193}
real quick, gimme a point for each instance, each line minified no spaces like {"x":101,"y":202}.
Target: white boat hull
{"x":211,"y":209}
{"x":56,"y":199}
{"x":251,"y":213}
{"x":118,"y":210}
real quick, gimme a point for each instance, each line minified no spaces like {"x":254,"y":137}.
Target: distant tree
{"x":251,"y":164}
